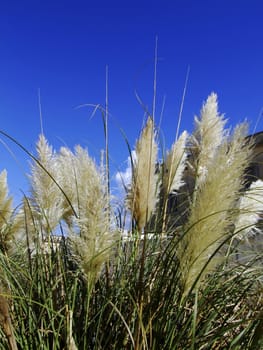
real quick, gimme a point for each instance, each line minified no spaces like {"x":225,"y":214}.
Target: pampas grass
{"x":211,"y":214}
{"x":82,"y":205}
{"x":46,"y":198}
{"x":209,"y":134}
{"x":7,"y":236}
{"x":143,"y":193}
{"x":72,"y":280}
{"x":173,"y":170}
{"x":7,"y":228}
{"x":86,"y":188}
{"x":174,"y":165}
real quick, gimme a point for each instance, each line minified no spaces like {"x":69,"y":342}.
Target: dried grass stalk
{"x":6,"y":323}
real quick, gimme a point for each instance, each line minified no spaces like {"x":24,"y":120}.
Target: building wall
{"x":257,"y":163}
{"x":255,"y":171}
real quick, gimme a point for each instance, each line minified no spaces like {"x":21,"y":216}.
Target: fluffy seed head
{"x":174,"y":165}
{"x":91,"y":233}
{"x":46,"y":197}
{"x":142,"y":196}
{"x":211,"y":214}
{"x":208,"y":136}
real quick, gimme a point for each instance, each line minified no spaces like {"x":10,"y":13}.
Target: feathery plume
{"x":7,"y":233}
{"x":143,"y":193}
{"x":85,"y":187}
{"x":212,"y":213}
{"x":172,"y":177}
{"x":208,"y":136}
{"x":67,"y":177}
{"x":9,"y":223}
{"x":174,"y":165}
{"x":46,"y":196}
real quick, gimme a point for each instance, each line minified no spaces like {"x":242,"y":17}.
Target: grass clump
{"x":70,"y":278}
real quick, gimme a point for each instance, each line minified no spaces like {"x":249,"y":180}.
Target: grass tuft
{"x":184,"y":276}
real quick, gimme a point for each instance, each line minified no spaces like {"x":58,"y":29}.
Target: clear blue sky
{"x":63,"y":47}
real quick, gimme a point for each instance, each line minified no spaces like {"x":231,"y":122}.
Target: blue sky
{"x":63,"y":48}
